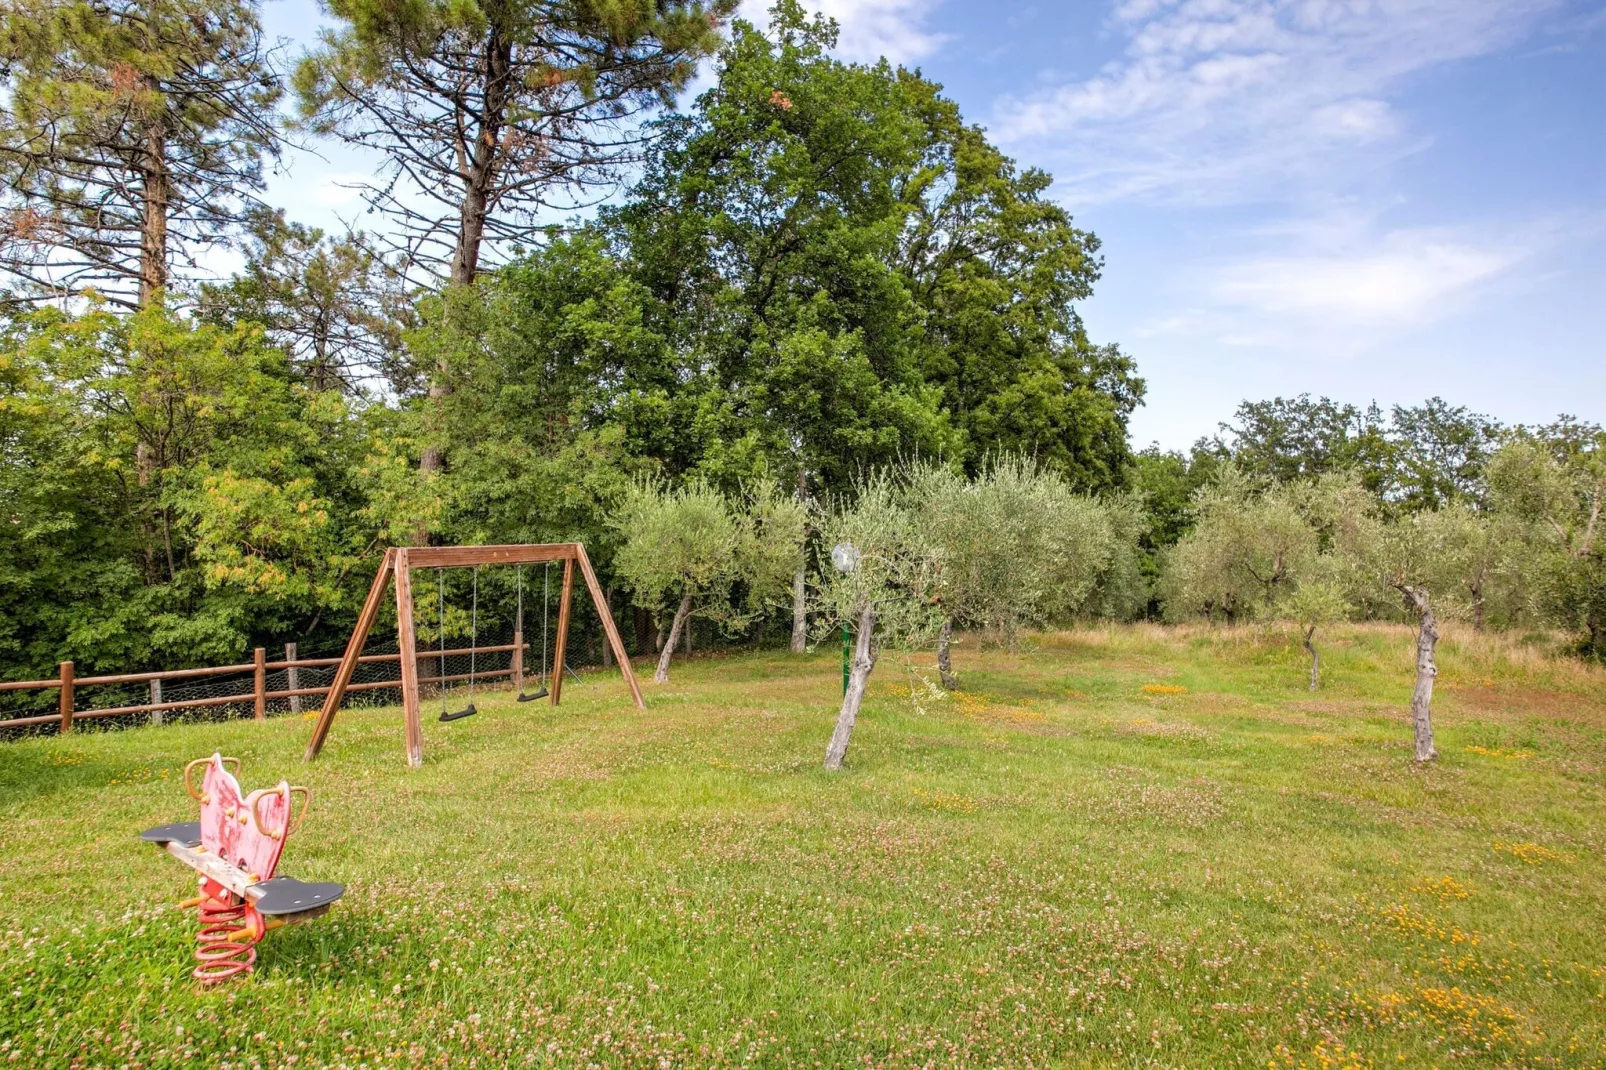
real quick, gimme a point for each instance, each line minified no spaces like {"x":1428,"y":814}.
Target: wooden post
{"x":625,"y":667}
{"x":348,"y":661}
{"x":260,"y":660}
{"x":560,"y":647}
{"x":156,"y":700}
{"x":518,"y":660}
{"x":66,"y":697}
{"x":607,"y":648}
{"x":294,"y":677}
{"x":409,"y":660}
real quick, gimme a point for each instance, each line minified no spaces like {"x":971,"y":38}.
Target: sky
{"x":1365,"y":199}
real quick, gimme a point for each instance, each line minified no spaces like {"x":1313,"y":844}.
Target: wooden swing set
{"x":398,"y":565}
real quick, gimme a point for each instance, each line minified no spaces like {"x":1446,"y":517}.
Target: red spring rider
{"x":235,"y":847}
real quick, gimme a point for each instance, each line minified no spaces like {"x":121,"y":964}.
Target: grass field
{"x":1134,"y":847}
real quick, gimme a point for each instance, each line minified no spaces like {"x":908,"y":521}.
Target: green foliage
{"x":172,"y":492}
{"x":1018,"y":546}
{"x":897,"y":568}
{"x":728,"y":559}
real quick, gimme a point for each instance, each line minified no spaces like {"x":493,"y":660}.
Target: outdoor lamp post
{"x":845,"y":556}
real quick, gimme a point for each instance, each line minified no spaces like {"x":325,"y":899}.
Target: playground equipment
{"x":398,"y":565}
{"x":235,"y":847}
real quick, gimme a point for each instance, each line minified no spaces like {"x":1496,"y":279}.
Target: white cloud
{"x":1410,"y":276}
{"x":870,"y":28}
{"x":1217,"y":101}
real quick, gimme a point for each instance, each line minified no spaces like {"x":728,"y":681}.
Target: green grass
{"x":1053,"y":867}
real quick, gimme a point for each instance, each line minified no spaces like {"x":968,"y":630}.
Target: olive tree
{"x":882,"y":580}
{"x":693,"y":547}
{"x":1019,"y":547}
{"x":1245,"y":555}
{"x":1554,"y":482}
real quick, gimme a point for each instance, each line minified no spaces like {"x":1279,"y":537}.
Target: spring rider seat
{"x":235,"y":847}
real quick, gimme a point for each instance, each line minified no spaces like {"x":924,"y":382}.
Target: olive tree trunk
{"x":1315,"y":658}
{"x":1416,"y":598}
{"x":945,"y":661}
{"x":800,"y":611}
{"x":668,"y":651}
{"x":858,"y":679}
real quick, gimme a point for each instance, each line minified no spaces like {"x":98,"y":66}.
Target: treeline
{"x":822,"y":283}
{"x":820,"y":270}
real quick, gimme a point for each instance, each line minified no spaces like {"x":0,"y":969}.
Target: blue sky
{"x":1369,"y":199}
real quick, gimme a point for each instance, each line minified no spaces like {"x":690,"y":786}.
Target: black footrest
{"x":183,"y":833}
{"x":286,"y":895}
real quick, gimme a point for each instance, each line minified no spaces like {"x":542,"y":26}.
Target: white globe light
{"x":845,"y":556}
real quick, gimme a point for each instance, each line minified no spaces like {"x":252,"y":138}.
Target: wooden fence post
{"x":261,"y":660}
{"x":518,"y":661}
{"x":156,"y":700}
{"x":66,"y":697}
{"x":294,"y":677}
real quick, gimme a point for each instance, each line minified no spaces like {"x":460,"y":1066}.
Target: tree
{"x":1440,"y":454}
{"x":1288,"y":439}
{"x":997,"y":269}
{"x":1554,"y":479}
{"x":1422,"y":558}
{"x":490,"y":113}
{"x":691,"y":548}
{"x":888,"y":596}
{"x":334,"y":305}
{"x":1018,"y":547}
{"x":133,"y":131}
{"x":1246,"y":553}
{"x":171,"y":492}
{"x":765,"y":228}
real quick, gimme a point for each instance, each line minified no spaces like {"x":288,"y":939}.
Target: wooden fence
{"x":68,"y":685}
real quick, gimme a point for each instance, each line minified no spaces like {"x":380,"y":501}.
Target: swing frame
{"x":398,"y":565}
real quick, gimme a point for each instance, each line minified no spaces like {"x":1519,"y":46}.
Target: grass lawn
{"x":1123,"y":847}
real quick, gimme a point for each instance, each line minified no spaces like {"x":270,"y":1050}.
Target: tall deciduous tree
{"x":133,"y":132}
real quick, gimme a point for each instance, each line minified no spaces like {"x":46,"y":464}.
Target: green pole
{"x":847,"y":642}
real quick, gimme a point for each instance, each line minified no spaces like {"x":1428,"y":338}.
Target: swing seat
{"x":540,"y":692}
{"x":466,"y":711}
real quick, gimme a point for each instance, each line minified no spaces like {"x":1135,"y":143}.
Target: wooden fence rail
{"x":68,"y":684}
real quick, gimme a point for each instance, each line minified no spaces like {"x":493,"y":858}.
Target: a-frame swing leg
{"x":608,"y":628}
{"x":348,"y":661}
{"x":408,"y":647}
{"x":561,"y":647}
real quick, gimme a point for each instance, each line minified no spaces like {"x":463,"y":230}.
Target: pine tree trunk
{"x":945,"y":664}
{"x":157,"y":195}
{"x":1315,"y":659}
{"x":858,"y":679}
{"x":800,"y":613}
{"x":662,"y":675}
{"x":1422,"y":697}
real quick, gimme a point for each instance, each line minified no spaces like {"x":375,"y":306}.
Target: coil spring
{"x":220,"y":957}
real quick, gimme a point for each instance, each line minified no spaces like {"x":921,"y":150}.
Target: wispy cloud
{"x":1216,"y":101}
{"x":871,"y":29}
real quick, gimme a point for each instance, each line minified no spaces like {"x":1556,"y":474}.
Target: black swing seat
{"x":466,"y":711}
{"x":183,"y":833}
{"x":539,"y":693}
{"x":286,"y":895}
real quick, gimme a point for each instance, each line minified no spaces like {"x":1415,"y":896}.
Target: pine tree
{"x":133,"y":133}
